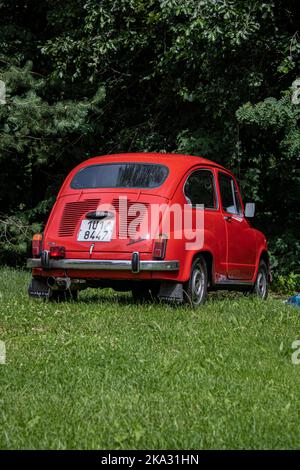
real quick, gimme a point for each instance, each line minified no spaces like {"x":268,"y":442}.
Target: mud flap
{"x":38,"y":288}
{"x":171,"y":291}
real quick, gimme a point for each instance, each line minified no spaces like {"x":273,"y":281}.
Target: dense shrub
{"x":286,"y":284}
{"x":85,"y":77}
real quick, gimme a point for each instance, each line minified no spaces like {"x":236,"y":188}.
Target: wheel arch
{"x":209,"y":260}
{"x":264,"y":256}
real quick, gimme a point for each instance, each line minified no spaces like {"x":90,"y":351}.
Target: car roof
{"x":177,"y":159}
{"x":178,"y":165}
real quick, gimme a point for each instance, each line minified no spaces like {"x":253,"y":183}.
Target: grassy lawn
{"x":106,"y":373}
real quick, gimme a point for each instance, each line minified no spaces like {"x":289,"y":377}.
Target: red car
{"x":159,"y":225}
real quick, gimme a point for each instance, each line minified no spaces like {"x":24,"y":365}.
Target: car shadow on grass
{"x":108,"y":296}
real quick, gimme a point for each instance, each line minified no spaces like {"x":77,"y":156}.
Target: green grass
{"x":106,"y":373}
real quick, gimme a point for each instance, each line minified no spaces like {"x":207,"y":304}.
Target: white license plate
{"x":96,"y":230}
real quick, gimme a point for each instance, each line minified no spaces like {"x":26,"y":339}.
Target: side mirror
{"x":249,"y":209}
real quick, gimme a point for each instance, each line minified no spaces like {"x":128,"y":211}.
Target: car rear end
{"x":100,"y":233}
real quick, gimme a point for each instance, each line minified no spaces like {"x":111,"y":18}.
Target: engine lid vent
{"x":73,"y":212}
{"x":124,"y":228}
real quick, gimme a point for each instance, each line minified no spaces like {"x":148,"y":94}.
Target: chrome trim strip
{"x":109,"y":265}
{"x":233,"y":282}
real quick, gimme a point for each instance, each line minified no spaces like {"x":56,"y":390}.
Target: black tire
{"x":260,"y":288}
{"x":195,"y":290}
{"x":145,"y":293}
{"x":63,"y":295}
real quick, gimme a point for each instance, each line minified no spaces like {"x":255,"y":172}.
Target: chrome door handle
{"x":227,"y":217}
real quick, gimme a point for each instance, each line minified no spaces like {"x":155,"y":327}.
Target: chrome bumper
{"x":134,"y":265}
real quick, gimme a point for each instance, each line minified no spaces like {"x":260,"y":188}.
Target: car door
{"x":200,"y":189}
{"x":241,"y":238}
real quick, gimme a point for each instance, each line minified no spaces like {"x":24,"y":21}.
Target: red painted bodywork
{"x":235,"y":248}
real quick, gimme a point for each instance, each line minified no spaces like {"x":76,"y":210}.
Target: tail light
{"x":160,"y":246}
{"x":57,"y":252}
{"x":36,"y":245}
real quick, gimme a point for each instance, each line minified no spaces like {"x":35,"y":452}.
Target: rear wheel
{"x":260,"y":288}
{"x":195,"y":290}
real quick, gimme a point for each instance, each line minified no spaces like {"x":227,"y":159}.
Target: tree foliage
{"x":207,"y":77}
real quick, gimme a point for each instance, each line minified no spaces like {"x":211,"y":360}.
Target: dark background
{"x":210,"y":78}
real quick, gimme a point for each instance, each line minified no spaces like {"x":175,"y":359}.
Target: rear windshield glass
{"x":120,"y":175}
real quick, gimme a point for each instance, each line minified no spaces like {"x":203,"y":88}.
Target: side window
{"x":229,"y":194}
{"x":200,"y":189}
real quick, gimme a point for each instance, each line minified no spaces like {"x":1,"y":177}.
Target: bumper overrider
{"x":134,"y":265}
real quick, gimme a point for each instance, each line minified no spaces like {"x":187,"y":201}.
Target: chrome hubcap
{"x":197,"y":285}
{"x":261,"y":284}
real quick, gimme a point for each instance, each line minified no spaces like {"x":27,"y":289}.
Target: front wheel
{"x":195,"y":290}
{"x":260,"y":288}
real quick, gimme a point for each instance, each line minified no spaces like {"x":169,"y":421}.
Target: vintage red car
{"x":160,"y":225}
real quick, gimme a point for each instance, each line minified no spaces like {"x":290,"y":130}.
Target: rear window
{"x":120,"y":175}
